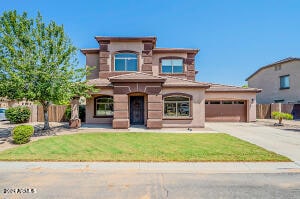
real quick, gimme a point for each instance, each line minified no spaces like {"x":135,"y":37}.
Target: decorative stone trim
{"x":120,"y":123}
{"x":178,"y":94}
{"x":124,"y":89}
{"x":104,"y":54}
{"x":154,"y":123}
{"x":147,"y":53}
{"x":148,"y":46}
{"x":147,"y":67}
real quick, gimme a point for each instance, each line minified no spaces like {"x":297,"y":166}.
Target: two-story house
{"x":140,"y":84}
{"x":279,"y":82}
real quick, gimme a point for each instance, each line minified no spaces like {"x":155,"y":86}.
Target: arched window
{"x":176,"y":106}
{"x":126,"y":62}
{"x":104,"y":106}
{"x":172,"y":66}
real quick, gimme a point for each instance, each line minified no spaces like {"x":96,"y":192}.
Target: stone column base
{"x":75,"y":123}
{"x":154,"y":123}
{"x":120,"y":123}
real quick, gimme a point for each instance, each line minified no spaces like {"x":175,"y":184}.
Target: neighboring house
{"x":140,"y":84}
{"x":279,"y":81}
{"x":5,"y":103}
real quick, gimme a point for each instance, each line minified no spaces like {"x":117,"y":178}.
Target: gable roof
{"x":89,"y":50}
{"x":99,"y":82}
{"x":168,"y":81}
{"x":136,"y":77}
{"x":273,"y":64}
{"x":229,"y":88}
{"x":182,"y":83}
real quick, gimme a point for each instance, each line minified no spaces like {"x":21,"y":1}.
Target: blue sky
{"x":234,"y":37}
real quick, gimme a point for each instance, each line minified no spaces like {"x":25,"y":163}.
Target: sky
{"x":235,"y":37}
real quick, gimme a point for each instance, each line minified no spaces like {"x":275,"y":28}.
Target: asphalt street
{"x":90,"y":182}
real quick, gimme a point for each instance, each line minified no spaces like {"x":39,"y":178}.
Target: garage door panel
{"x":225,"y":112}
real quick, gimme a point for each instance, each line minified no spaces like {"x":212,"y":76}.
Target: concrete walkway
{"x":89,"y":128}
{"x":284,"y":142}
{"x":154,"y":167}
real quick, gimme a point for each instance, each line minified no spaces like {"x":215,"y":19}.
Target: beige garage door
{"x":225,"y":111}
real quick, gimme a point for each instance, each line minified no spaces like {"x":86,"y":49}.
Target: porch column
{"x":155,"y":111}
{"x":121,"y":115}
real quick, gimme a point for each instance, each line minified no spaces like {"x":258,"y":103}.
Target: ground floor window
{"x":176,"y":106}
{"x":104,"y":106}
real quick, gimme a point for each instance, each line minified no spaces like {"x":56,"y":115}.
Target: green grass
{"x":140,"y":147}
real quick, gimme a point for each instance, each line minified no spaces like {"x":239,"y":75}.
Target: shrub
{"x":68,"y":113}
{"x":21,"y":134}
{"x":19,"y":114}
{"x":280,"y":116}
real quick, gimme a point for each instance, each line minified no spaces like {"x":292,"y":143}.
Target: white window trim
{"x":172,"y":66}
{"x":115,"y":58}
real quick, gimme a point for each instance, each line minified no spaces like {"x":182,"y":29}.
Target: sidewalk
{"x":154,"y":167}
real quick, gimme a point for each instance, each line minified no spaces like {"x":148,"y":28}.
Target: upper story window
{"x":126,"y":62}
{"x":172,"y":66}
{"x":285,"y":82}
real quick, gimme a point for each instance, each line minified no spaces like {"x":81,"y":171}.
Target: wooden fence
{"x":263,"y":111}
{"x":56,"y":113}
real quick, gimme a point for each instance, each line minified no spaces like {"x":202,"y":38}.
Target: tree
{"x":280,"y":116}
{"x":38,"y":62}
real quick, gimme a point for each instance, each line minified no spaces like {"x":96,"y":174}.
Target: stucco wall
{"x":92,"y":60}
{"x":117,"y":46}
{"x":247,"y":96}
{"x":269,"y":81}
{"x":198,"y":108}
{"x":89,"y":113}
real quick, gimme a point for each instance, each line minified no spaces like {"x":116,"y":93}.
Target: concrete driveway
{"x":284,"y":142}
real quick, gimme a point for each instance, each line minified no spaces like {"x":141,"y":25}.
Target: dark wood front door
{"x":136,"y":110}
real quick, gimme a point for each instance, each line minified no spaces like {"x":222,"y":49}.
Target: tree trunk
{"x":75,"y":121}
{"x":46,"y":116}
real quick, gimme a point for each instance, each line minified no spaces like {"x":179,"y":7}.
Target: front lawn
{"x":140,"y":147}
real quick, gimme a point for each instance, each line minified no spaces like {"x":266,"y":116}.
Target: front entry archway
{"x":137,"y":110}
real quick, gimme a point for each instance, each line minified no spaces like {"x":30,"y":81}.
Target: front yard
{"x":147,"y":147}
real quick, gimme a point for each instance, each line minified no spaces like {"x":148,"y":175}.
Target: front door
{"x":136,"y":110}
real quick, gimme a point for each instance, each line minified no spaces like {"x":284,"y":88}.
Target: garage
{"x":225,"y":111}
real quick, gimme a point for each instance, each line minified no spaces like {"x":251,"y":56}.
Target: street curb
{"x":155,"y":167}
